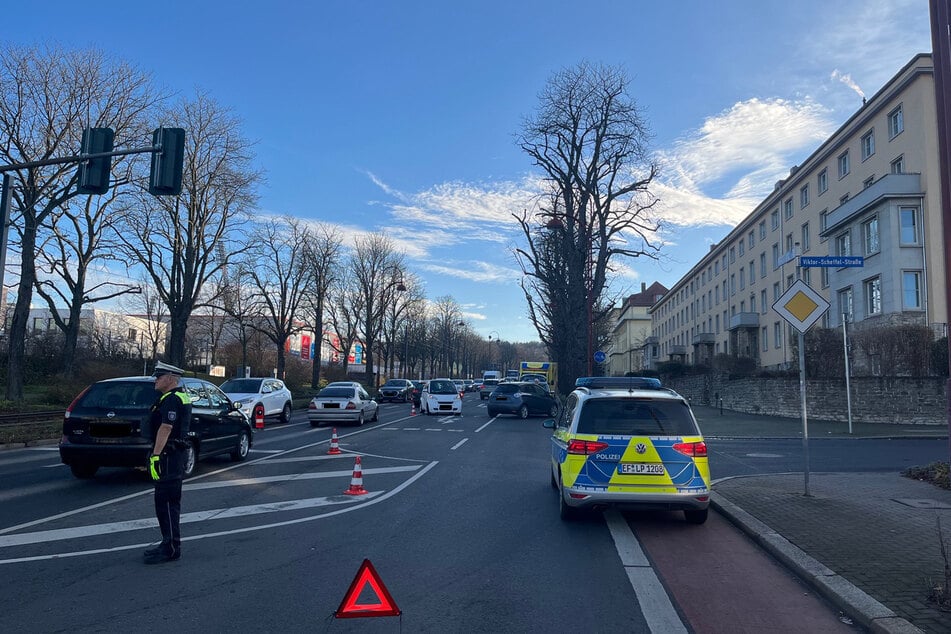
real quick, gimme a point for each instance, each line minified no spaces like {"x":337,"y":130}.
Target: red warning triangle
{"x":385,"y":605}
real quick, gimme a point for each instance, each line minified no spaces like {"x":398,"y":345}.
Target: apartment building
{"x":628,"y":350}
{"x":871,"y":190}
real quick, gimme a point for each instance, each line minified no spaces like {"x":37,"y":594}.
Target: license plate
{"x":641,"y":468}
{"x":331,"y":405}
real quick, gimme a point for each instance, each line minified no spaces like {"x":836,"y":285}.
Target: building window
{"x":807,"y":276}
{"x":775,"y":219}
{"x":742,"y":247}
{"x":909,"y":225}
{"x":732,"y":255}
{"x":789,"y":280}
{"x":844,"y":198}
{"x":845,"y":304}
{"x":743,"y":306}
{"x":742,"y":278}
{"x":718,"y":294}
{"x":870,"y":236}
{"x":752,"y":239}
{"x":716,"y":267}
{"x":868,"y":144}
{"x":777,"y":335}
{"x":787,"y":209}
{"x":775,"y":255}
{"x":844,"y":165}
{"x":911,"y":289}
{"x":762,"y":300}
{"x":764,"y":339}
{"x":803,"y":196}
{"x":868,"y":182}
{"x":762,"y":230}
{"x":762,"y":264}
{"x":776,"y":292}
{"x":753,"y":303}
{"x":843,"y":244}
{"x":789,"y":243}
{"x":825,"y":277}
{"x":823,"y":220}
{"x":896,"y":122}
{"x":822,"y":181}
{"x":804,"y":240}
{"x":873,"y":296}
{"x":732,"y":285}
{"x":898,"y":165}
{"x":752,"y":271}
{"x":718,"y":323}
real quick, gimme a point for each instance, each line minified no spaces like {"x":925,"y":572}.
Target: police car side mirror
{"x":548,"y":423}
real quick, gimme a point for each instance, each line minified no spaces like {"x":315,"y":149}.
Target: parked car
{"x":487,"y":386}
{"x":627,"y":441}
{"x":541,"y":379}
{"x":441,"y":396}
{"x":522,"y":399}
{"x":109,"y":425}
{"x":467,"y":385}
{"x":342,"y":404}
{"x":460,"y":385}
{"x":254,"y":394}
{"x":400,"y":390}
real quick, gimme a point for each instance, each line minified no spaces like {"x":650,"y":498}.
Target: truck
{"x":548,"y":369}
{"x":491,"y":374}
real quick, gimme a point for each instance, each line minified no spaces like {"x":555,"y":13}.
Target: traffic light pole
{"x":74,"y":159}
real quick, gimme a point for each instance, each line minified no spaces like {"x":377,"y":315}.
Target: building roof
{"x":648,"y":295}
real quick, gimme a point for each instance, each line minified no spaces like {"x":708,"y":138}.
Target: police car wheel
{"x":696,"y":517}
{"x":191,"y":459}
{"x":240,"y":452}
{"x":566,"y":512}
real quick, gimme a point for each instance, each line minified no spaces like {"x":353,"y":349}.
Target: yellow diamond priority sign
{"x":801,"y":306}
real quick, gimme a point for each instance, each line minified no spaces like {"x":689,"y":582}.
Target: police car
{"x":628,"y":442}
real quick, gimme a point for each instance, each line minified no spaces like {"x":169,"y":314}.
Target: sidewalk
{"x":868,"y":542}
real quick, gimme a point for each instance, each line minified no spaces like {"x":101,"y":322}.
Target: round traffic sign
{"x":599,"y":357}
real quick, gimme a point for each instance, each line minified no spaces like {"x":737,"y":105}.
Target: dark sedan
{"x":109,"y":425}
{"x":522,"y":400}
{"x":399,"y":390}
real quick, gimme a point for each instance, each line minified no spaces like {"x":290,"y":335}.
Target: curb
{"x":842,"y":593}
{"x":29,"y":443}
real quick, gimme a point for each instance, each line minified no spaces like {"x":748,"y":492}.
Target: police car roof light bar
{"x":619,"y":382}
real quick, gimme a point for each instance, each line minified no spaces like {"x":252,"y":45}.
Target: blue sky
{"x":401,"y":116}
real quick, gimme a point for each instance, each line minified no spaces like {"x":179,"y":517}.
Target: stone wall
{"x":874,"y":399}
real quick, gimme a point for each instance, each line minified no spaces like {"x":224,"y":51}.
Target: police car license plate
{"x":641,"y":468}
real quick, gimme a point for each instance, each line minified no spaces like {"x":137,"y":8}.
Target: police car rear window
{"x":636,"y":417}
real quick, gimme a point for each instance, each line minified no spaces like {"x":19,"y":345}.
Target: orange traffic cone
{"x":259,"y":417}
{"x":412,"y":412}
{"x":334,"y":445}
{"x":356,"y":482}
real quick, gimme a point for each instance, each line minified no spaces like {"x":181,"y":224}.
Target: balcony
{"x":678,"y":350}
{"x":888,"y":186}
{"x":704,"y":338}
{"x":744,"y":320}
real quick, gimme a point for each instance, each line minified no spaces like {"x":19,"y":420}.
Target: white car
{"x":441,"y":396}
{"x":256,"y":394}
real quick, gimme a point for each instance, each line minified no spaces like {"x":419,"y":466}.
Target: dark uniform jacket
{"x":173,"y":408}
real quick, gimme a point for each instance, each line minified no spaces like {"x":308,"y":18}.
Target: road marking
{"x":650,"y":594}
{"x":431,"y":429}
{"x":293,"y":477}
{"x":248,"y":529}
{"x":459,"y":444}
{"x":491,"y":420}
{"x":76,"y":532}
{"x":310,"y":458}
{"x":266,"y":450}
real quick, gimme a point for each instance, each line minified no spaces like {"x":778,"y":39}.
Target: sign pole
{"x":802,"y":404}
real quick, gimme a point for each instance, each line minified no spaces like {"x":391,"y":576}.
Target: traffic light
{"x":94,"y":173}
{"x":166,"y":175}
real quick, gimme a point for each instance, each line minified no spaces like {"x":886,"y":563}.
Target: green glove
{"x":154,"y":469}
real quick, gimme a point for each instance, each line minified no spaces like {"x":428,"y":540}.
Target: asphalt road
{"x":460,"y":522}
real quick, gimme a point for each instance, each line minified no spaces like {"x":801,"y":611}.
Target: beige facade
{"x":871,"y":190}
{"x":629,"y":351}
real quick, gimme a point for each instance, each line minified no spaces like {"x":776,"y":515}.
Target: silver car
{"x":342,"y":404}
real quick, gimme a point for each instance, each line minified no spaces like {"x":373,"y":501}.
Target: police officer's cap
{"x":162,"y":369}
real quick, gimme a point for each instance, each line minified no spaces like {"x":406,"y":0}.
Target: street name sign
{"x":801,"y":306}
{"x":836,"y":261}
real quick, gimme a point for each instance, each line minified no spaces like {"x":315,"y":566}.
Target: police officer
{"x":171,"y":415}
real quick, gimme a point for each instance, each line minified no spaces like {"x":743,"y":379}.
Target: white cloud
{"x":475,"y":271}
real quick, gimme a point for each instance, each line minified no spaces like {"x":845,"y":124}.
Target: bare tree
{"x":344,"y":309}
{"x":47,"y":96}
{"x":397,"y":321}
{"x":590,"y":140}
{"x":322,"y":250}
{"x":447,"y":327}
{"x":378,"y":271}
{"x":277,"y":268}
{"x":176,"y":238}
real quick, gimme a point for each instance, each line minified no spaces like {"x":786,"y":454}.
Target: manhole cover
{"x":923,"y":504}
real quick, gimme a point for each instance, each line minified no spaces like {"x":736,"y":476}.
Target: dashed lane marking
{"x":459,"y":444}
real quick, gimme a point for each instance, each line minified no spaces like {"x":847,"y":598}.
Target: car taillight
{"x":312,"y":405}
{"x":69,"y":409}
{"x":692,"y":449}
{"x":586,"y":447}
{"x":351,"y":405}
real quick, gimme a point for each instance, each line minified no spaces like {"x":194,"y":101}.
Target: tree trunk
{"x":71,"y":338}
{"x":21,"y":312}
{"x":178,"y":323}
{"x":318,"y":345}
